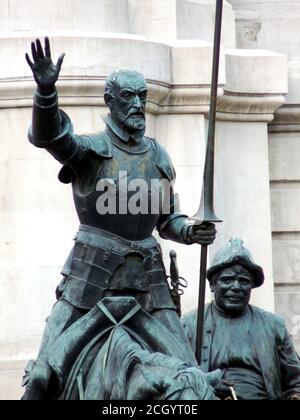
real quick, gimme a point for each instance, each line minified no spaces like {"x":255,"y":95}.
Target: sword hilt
{"x":174,"y":273}
{"x":177,"y":282}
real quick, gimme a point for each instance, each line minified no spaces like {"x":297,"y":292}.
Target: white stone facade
{"x":170,"y":42}
{"x":274,"y":24}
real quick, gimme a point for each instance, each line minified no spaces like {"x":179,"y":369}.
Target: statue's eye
{"x":228,"y":280}
{"x":245,"y":282}
{"x":143,"y":96}
{"x":127,"y":95}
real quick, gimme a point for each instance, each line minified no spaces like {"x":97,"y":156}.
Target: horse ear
{"x":157,"y":381}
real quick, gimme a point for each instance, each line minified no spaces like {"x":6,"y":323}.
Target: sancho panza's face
{"x":127,"y":100}
{"x":232,"y":289}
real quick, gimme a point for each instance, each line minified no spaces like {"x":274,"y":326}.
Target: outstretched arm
{"x":51,"y":128}
{"x":47,"y":120}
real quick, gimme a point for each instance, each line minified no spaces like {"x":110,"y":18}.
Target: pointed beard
{"x":129,"y":122}
{"x":134,"y":123}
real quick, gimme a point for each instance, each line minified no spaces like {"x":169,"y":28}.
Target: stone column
{"x":255,"y":88}
{"x":181,"y":129}
{"x":285,"y":201}
{"x":274,"y":24}
{"x":155,"y":19}
{"x":168,"y":20}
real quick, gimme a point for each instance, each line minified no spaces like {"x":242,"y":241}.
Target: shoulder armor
{"x":163,"y":161}
{"x":98,"y":143}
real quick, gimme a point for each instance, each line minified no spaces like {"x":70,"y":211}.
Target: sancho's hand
{"x":295,"y":397}
{"x":203,"y":234}
{"x":223,"y":390}
{"x":45,"y":72}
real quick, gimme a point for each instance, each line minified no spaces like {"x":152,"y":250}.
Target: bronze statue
{"x":250,"y":346}
{"x":115,"y":254}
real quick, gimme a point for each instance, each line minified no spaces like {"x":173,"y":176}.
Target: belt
{"x":100,"y":238}
{"x":101,"y":261}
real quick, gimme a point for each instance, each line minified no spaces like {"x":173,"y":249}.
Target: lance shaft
{"x":208,"y":179}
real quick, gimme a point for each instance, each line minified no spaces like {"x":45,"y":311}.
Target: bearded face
{"x":127,"y":106}
{"x":133,"y":121}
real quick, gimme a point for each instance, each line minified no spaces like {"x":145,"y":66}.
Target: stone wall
{"x":162,"y":39}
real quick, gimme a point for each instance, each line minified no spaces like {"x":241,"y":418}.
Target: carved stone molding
{"x":89,"y":91}
{"x":287,"y":119}
{"x":248,"y":107}
{"x":178,"y":75}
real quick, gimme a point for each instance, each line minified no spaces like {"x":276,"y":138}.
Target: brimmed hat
{"x":234,"y":253}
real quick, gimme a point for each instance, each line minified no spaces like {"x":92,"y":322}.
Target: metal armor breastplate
{"x":89,"y":193}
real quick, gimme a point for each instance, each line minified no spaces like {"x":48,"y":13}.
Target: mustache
{"x":137,"y":113}
{"x":126,"y":119}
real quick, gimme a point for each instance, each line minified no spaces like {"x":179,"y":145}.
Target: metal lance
{"x":206,"y":212}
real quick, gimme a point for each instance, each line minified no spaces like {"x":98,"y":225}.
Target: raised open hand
{"x":45,"y":72}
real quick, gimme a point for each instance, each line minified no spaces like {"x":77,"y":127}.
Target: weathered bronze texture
{"x":251,"y":347}
{"x":116,"y":262}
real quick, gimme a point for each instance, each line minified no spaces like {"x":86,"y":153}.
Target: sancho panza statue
{"x":250,"y":346}
{"x":115,"y":254}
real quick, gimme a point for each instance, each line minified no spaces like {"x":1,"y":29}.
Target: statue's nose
{"x":236,"y":285}
{"x":137,"y":102}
